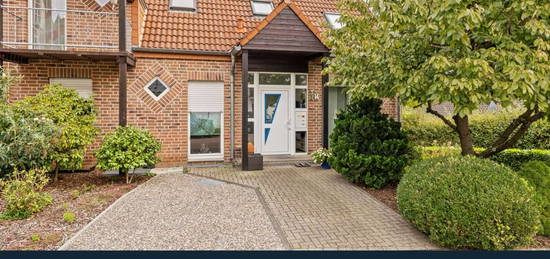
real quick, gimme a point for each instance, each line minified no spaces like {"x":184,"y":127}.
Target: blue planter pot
{"x":325,"y":165}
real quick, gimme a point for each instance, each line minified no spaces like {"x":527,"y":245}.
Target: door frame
{"x":258,"y":88}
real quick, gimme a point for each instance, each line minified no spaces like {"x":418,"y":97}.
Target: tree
{"x":464,"y":52}
{"x":74,"y":115}
{"x":127,"y":148}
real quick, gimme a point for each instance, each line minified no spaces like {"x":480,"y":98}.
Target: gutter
{"x":234,"y":51}
{"x":181,"y":51}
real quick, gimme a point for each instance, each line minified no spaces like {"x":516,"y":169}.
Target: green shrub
{"x":512,"y":158}
{"x":468,"y":202}
{"x":22,"y":192}
{"x":127,"y":148}
{"x":367,"y":146}
{"x":74,"y":115}
{"x":6,"y":81}
{"x":69,"y":217}
{"x":25,"y":141}
{"x":538,"y":175}
{"x":426,"y":130}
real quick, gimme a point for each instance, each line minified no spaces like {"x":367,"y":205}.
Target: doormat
{"x":302,"y":164}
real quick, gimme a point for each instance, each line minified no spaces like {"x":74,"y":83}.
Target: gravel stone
{"x":176,"y":211}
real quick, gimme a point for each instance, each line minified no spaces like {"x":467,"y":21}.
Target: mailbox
{"x":301,"y":120}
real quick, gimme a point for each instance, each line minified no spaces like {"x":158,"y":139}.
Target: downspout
{"x":233,"y":53}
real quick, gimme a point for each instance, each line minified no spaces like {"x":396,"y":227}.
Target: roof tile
{"x":214,"y":26}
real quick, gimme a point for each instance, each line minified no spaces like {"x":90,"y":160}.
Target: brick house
{"x":196,"y":73}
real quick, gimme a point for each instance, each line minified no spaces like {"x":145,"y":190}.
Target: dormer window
{"x":183,"y":5}
{"x":333,"y":20}
{"x":261,"y":8}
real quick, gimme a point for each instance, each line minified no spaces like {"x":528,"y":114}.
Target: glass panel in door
{"x":48,"y":24}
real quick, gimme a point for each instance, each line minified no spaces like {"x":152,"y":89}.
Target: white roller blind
{"x":205,"y":96}
{"x":82,"y":85}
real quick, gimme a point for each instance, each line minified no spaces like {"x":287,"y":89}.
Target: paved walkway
{"x":181,"y":212}
{"x":319,"y":209}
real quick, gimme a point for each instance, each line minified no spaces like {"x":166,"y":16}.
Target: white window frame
{"x":254,"y":12}
{"x":209,"y":156}
{"x":292,"y":108}
{"x":31,"y":23}
{"x":171,"y":7}
{"x":156,"y":98}
{"x":336,"y":25}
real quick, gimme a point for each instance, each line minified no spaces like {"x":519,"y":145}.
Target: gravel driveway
{"x":175,"y":211}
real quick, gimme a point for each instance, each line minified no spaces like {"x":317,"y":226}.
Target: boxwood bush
{"x":538,"y":175}
{"x":513,"y":158}
{"x":367,"y":146}
{"x":467,"y":202}
{"x":426,"y":130}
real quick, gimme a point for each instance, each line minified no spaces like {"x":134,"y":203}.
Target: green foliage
{"x":427,"y":130}
{"x":35,"y":238}
{"x":465,"y":52}
{"x":75,"y":117}
{"x":69,"y":217}
{"x":468,"y":202}
{"x":25,"y":141}
{"x":75,"y":194}
{"x":6,"y":81}
{"x":538,"y":175}
{"x":127,"y":148}
{"x":512,"y":158}
{"x":367,"y":146}
{"x":22,"y":192}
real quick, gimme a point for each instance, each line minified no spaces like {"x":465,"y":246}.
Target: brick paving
{"x":319,"y":209}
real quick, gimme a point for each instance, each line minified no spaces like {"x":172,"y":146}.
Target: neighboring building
{"x":179,"y":67}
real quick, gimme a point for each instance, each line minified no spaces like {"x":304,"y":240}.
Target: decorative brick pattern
{"x":319,"y":209}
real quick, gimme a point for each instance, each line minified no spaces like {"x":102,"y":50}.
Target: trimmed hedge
{"x":538,"y":175}
{"x":426,"y":130}
{"x":468,"y":202}
{"x":367,"y":146}
{"x":513,"y":158}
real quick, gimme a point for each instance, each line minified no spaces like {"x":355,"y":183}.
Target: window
{"x":301,"y":98}
{"x":274,"y":79}
{"x":301,"y":142}
{"x":301,"y":79}
{"x":156,"y":88}
{"x":205,"y":120}
{"x":48,"y":27}
{"x":183,"y":5}
{"x":205,"y":132}
{"x":261,"y":8}
{"x":83,"y":86}
{"x":333,"y":20}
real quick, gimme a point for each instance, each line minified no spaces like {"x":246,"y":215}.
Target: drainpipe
{"x":233,"y":53}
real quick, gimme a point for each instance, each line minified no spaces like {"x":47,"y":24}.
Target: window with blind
{"x":205,"y":120}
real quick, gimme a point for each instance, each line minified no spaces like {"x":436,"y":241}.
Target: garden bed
{"x":84,"y":194}
{"x":388,"y":196}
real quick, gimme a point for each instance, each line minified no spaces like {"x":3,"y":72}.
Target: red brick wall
{"x":167,"y":118}
{"x":104,"y":75}
{"x":99,"y":29}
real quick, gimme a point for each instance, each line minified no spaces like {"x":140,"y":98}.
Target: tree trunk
{"x":463,"y":130}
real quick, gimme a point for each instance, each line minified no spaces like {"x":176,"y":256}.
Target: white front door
{"x":275,"y":122}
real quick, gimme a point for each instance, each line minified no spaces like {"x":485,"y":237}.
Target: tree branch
{"x":525,"y":123}
{"x":439,"y":115}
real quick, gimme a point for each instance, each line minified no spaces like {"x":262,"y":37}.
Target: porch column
{"x":244,"y":118}
{"x":324,"y":82}
{"x":122,"y":64}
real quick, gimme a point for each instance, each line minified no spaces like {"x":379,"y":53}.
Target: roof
{"x":214,"y":26}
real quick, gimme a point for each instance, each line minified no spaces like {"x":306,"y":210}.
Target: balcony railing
{"x":61,"y":29}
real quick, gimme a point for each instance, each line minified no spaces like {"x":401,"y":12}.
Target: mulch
{"x":84,"y":194}
{"x":388,"y":195}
